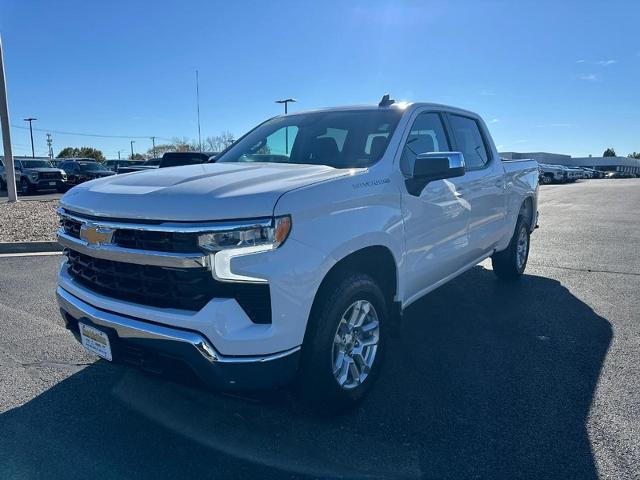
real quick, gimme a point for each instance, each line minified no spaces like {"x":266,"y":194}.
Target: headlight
{"x":63,"y":175}
{"x":226,"y":245}
{"x":258,"y":237}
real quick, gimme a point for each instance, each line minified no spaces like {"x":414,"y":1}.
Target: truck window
{"x":340,"y":139}
{"x":427,"y":135}
{"x":469,"y":141}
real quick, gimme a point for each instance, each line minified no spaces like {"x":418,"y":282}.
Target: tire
{"x":510,"y":264}
{"x":324,"y":382}
{"x":2,"y":185}
{"x":546,"y":180}
{"x":25,"y":188}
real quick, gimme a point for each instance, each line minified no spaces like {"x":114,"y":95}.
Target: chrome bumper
{"x":127,"y":328}
{"x":130,"y":255}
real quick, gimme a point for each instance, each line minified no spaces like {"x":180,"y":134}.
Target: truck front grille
{"x":186,"y":289}
{"x":176,"y":242}
{"x":173,"y":242}
{"x":50,"y":176}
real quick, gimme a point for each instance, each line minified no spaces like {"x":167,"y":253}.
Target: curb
{"x":29,"y":247}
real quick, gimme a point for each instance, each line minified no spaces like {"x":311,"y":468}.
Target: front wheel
{"x":25,"y":188}
{"x":344,"y":344}
{"x":510,"y":263}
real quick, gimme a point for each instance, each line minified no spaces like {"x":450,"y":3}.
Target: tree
{"x":184,"y":144}
{"x":161,"y":150}
{"x":137,"y":156}
{"x":609,"y":152}
{"x":634,"y":155}
{"x":82,"y":152}
{"x":217,"y":143}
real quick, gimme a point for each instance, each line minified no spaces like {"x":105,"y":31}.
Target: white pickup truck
{"x":290,"y":258}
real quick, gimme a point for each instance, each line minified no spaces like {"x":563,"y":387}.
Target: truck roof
{"x":394,"y":106}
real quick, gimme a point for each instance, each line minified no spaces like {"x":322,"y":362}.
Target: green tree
{"x":609,"y":152}
{"x":137,"y":156}
{"x":82,"y":152}
{"x":634,"y":155}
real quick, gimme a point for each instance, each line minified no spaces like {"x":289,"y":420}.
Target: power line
{"x":60,"y":132}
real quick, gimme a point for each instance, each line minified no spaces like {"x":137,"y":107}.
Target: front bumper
{"x":145,"y":343}
{"x":47,"y":184}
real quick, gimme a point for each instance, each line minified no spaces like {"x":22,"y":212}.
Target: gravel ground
{"x":30,"y":221}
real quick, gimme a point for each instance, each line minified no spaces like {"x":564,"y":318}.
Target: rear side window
{"x":427,"y":135}
{"x":469,"y":141}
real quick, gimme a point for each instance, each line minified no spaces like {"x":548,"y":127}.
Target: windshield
{"x":343,"y":139}
{"x":35,"y":164}
{"x":91,"y":166}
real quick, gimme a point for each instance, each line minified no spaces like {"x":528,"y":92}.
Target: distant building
{"x":608,"y":164}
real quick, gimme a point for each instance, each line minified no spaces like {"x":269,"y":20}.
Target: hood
{"x":98,"y":173}
{"x":41,"y":170}
{"x":204,"y":192}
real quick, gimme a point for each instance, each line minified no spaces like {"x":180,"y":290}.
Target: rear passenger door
{"x":484,"y":189}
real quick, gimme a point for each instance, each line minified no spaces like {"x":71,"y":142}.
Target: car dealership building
{"x":609,"y":164}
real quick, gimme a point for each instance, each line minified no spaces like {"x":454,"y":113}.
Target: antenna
{"x":386,"y":101}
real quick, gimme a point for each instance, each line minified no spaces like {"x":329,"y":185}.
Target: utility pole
{"x":6,"y":134}
{"x":153,"y":141}
{"x":286,"y":101}
{"x":198,"y":107}
{"x":132,"y":142}
{"x":50,"y":145}
{"x":31,"y":119}
{"x":118,"y":154}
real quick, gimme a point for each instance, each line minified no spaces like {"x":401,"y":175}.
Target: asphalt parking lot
{"x":486,"y":380}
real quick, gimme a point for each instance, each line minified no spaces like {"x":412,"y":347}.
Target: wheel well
{"x":526,"y":210}
{"x":376,"y":261}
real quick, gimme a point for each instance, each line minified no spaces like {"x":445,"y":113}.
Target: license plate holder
{"x":95,"y":341}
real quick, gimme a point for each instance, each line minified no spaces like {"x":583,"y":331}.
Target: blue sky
{"x":547,"y":76}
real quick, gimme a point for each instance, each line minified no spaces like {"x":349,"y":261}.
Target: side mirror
{"x":434,"y":166}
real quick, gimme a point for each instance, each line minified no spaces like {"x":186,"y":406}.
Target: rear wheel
{"x":344,"y":344}
{"x":546,"y":180}
{"x":510,"y":263}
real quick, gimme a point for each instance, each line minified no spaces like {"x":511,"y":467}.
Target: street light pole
{"x":132,"y":142}
{"x":12,"y":192}
{"x":286,"y":102}
{"x":153,"y":141}
{"x":198,"y":107}
{"x":31,"y":119}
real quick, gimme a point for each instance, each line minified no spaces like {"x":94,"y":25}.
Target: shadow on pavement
{"x":488,"y":380}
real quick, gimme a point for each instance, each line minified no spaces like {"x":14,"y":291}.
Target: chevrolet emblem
{"x":95,"y":234}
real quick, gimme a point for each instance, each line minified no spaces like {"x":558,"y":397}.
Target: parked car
{"x":176,"y":159}
{"x":552,"y":173}
{"x":3,"y":176}
{"x":79,"y":171}
{"x":620,"y":175}
{"x":292,"y":255}
{"x":150,"y":164}
{"x":34,"y":175}
{"x":116,"y":165}
{"x":171,"y":159}
{"x":594,"y":173}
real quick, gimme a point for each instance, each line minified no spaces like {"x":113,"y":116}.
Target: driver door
{"x":436,"y":220}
